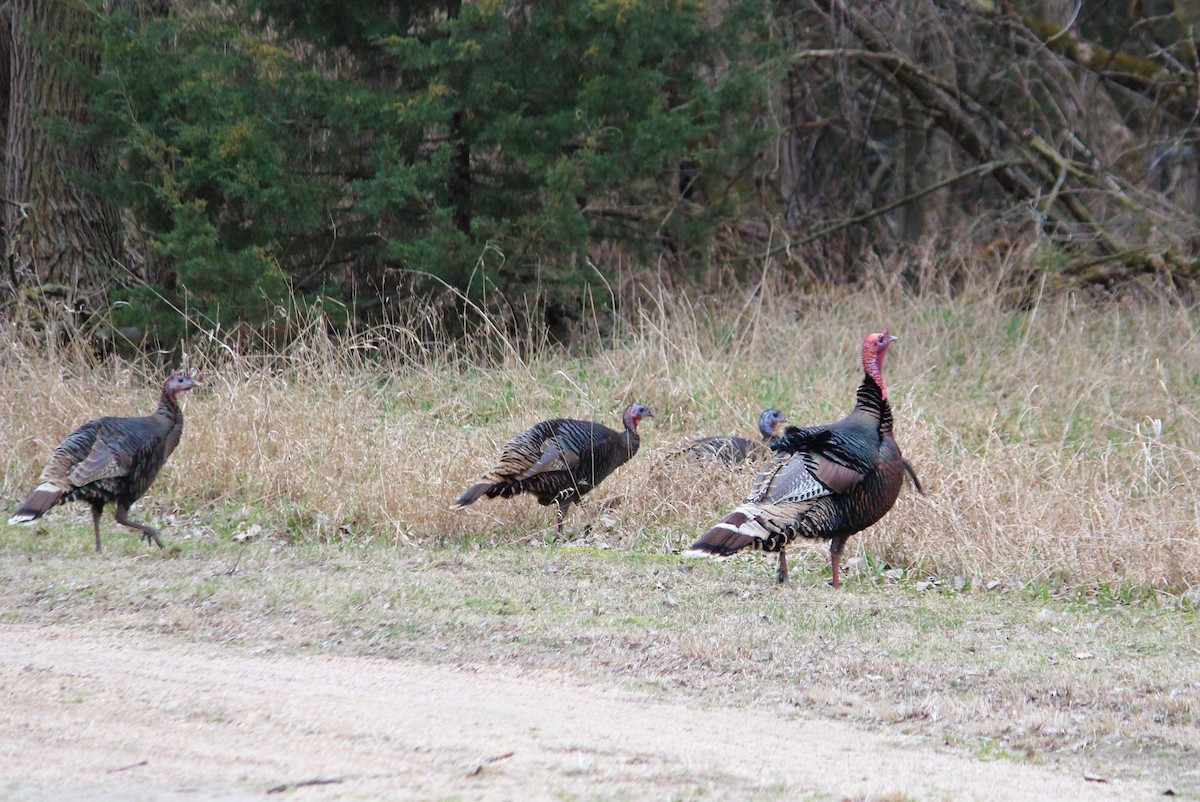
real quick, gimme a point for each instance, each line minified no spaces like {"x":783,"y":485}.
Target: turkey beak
{"x":189,"y":383}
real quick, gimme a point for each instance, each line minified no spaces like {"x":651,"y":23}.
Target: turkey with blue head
{"x":734,"y":450}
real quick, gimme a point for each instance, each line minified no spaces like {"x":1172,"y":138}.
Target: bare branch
{"x":979,"y":169}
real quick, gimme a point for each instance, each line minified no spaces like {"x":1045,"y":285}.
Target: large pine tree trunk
{"x":68,"y":244}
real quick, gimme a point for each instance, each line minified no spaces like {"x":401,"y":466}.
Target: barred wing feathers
{"x":809,"y":464}
{"x":731,"y":450}
{"x":734,"y":450}
{"x":110,"y":455}
{"x":559,"y":461}
{"x":553,"y":457}
{"x":826,"y":481}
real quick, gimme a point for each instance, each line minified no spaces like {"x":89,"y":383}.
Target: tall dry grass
{"x":1058,"y":438}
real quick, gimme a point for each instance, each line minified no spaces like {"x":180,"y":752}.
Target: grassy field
{"x":1037,"y":604}
{"x":1058,"y":438}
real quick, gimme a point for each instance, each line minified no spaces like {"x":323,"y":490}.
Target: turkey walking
{"x":111,"y":460}
{"x":824,"y":482}
{"x":738,"y":450}
{"x":559,"y":461}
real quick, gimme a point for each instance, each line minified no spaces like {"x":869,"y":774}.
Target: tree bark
{"x":460,"y":183}
{"x":70,"y":239}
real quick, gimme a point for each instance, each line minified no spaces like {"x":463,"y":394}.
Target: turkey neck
{"x":871,"y":401}
{"x":632,"y":441}
{"x":168,"y":408}
{"x":632,"y":438}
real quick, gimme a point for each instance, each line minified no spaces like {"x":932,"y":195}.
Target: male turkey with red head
{"x":826,"y":482}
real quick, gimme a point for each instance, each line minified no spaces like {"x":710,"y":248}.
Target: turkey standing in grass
{"x":111,"y":460}
{"x":738,"y":450}
{"x":559,"y":461}
{"x":824,"y":482}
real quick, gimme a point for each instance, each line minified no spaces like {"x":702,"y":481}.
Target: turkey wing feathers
{"x":104,"y":461}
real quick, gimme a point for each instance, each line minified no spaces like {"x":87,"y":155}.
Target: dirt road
{"x":90,"y":715}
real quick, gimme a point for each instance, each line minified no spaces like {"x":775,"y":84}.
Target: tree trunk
{"x":911,"y":171}
{"x":68,"y":244}
{"x":460,"y":183}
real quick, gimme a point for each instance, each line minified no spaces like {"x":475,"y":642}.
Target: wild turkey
{"x":111,"y":460}
{"x":737,"y":450}
{"x":824,"y":481}
{"x":559,"y":461}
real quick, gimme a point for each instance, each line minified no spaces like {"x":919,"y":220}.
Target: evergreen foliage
{"x":504,"y":157}
{"x":278,"y":152}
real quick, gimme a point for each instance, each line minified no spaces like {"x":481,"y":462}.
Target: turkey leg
{"x":835,"y":559}
{"x":563,"y":506}
{"x":123,"y":519}
{"x":96,"y":510}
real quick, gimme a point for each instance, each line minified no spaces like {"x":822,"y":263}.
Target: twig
{"x":279,"y":789}
{"x":478,"y":767}
{"x":130,"y":766}
{"x":231,"y":570}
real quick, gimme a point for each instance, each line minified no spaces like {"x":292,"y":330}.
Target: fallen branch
{"x":1114,"y":267}
{"x":478,"y":767}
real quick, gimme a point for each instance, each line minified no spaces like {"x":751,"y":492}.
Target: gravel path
{"x":107,"y":716}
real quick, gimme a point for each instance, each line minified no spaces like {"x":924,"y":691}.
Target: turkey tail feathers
{"x":472,"y":495}
{"x":908,"y":468}
{"x":739,"y":531}
{"x":38,"y":504}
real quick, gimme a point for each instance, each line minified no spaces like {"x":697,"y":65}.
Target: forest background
{"x":173,"y":167}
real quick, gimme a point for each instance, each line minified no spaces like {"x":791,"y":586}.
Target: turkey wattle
{"x":824,"y":482}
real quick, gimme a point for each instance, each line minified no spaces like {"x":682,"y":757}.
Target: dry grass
{"x":1059,"y":442}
